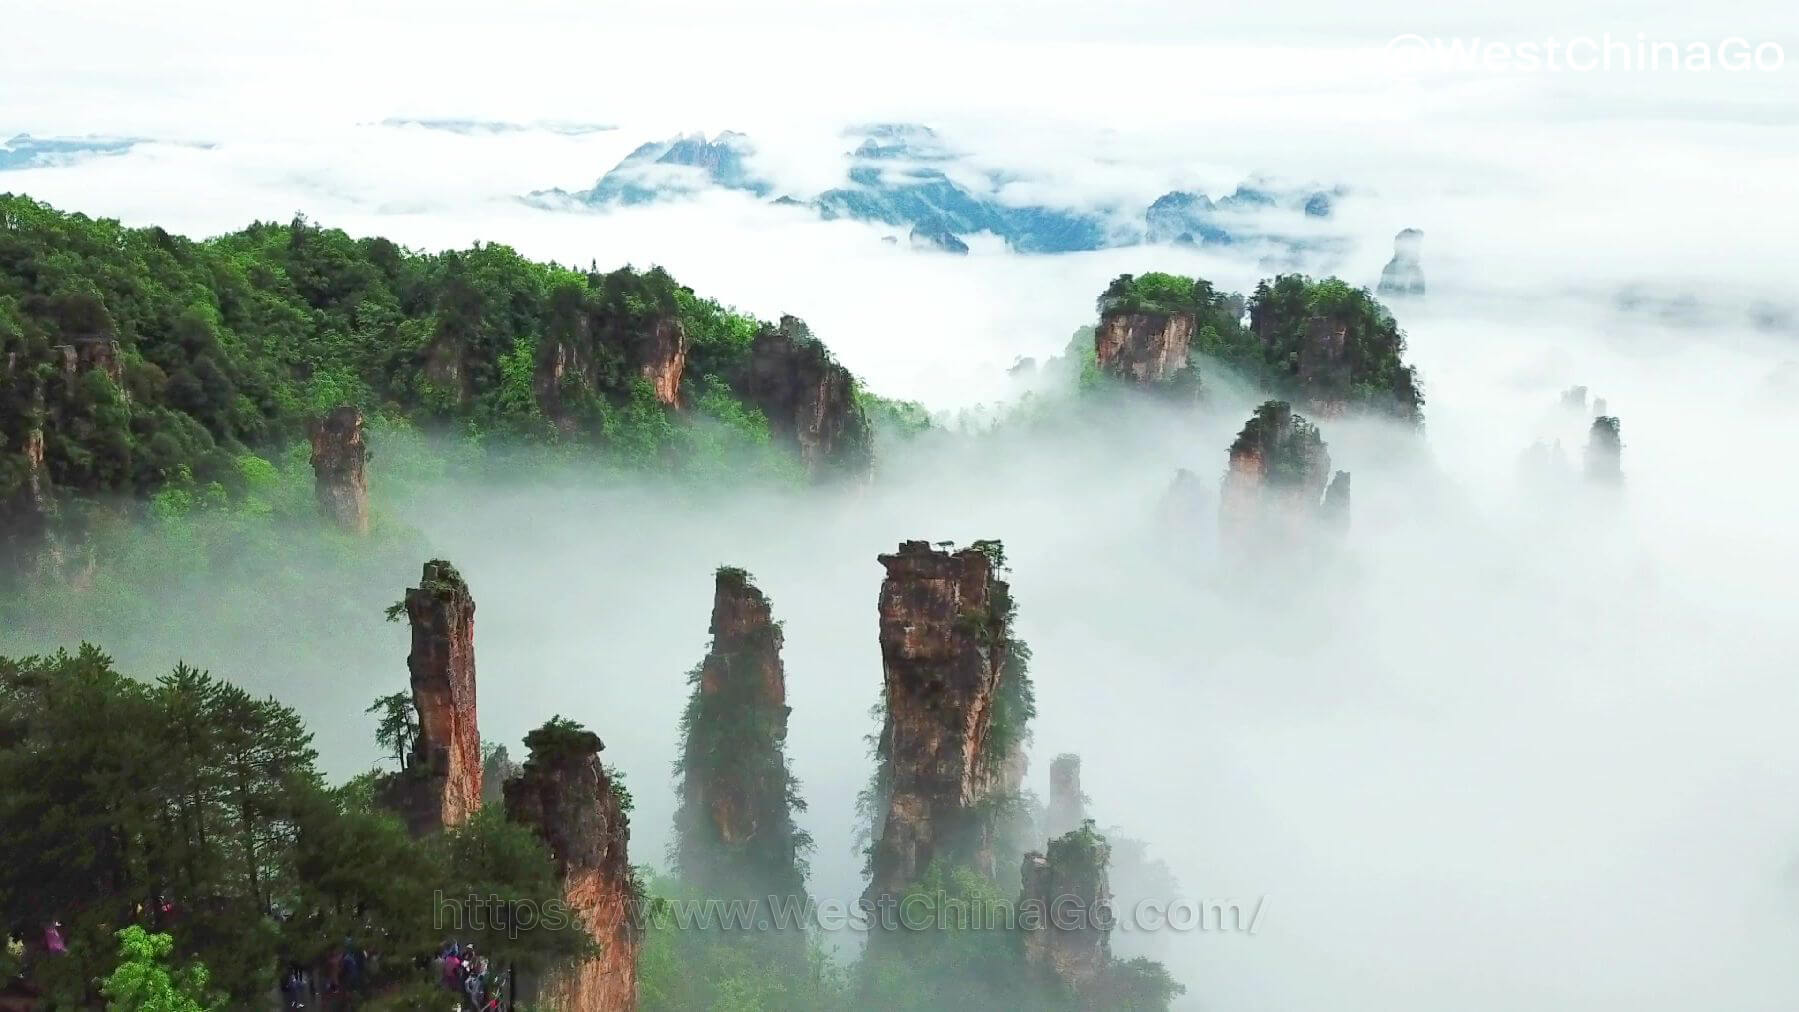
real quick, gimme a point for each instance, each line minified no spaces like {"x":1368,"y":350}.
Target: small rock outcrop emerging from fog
{"x":1067,"y":804}
{"x":734,"y":825}
{"x":568,"y":798}
{"x":442,"y":785}
{"x":945,"y":637}
{"x":1335,"y":509}
{"x":1144,"y":349}
{"x":809,"y":400}
{"x":1403,"y":276}
{"x":1064,"y":908}
{"x":338,"y":459}
{"x":1605,"y":452}
{"x":1276,"y":478}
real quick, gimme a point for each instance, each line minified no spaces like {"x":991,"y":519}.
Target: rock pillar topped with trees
{"x":441,"y":785}
{"x":945,"y":645}
{"x":1274,"y":485}
{"x":734,"y":825}
{"x":581,"y":813}
{"x":338,"y":459}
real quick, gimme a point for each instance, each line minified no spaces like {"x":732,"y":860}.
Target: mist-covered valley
{"x":1507,"y":731}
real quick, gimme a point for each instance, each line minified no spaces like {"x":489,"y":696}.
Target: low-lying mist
{"x":1516,"y":743}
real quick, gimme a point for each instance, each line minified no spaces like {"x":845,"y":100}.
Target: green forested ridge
{"x":236,"y":343}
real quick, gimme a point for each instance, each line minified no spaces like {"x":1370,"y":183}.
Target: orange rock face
{"x":338,"y":459}
{"x":1144,"y":348}
{"x":662,"y":357}
{"x":447,"y":755}
{"x":943,"y":653}
{"x":567,"y":799}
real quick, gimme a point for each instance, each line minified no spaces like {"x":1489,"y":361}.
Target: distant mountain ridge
{"x":904,"y":175}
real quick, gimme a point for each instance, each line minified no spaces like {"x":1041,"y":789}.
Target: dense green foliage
{"x":1375,"y":373}
{"x":188,"y":807}
{"x":142,"y":983}
{"x":235,"y":344}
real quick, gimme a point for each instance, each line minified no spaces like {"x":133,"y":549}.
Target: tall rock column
{"x":443,"y":784}
{"x":1605,"y":452}
{"x":1143,"y":348}
{"x":566,"y":796}
{"x":338,"y":456}
{"x":734,"y":826}
{"x":1067,"y":805}
{"x":1064,"y":908}
{"x":945,"y":634}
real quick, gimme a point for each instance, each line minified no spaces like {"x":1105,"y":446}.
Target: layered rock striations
{"x":945,"y":640}
{"x":567,"y":797}
{"x":734,"y":827}
{"x":338,"y":459}
{"x":809,"y":400}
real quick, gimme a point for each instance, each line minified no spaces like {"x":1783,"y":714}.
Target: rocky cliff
{"x":338,"y":457}
{"x":809,"y":400}
{"x":442,"y":785}
{"x":582,"y":349}
{"x":1324,"y":367}
{"x":1403,"y":276}
{"x":734,"y":825}
{"x":944,"y":637}
{"x":1274,"y":485}
{"x":1144,"y":348}
{"x":567,"y":797}
{"x":1065,"y":913}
